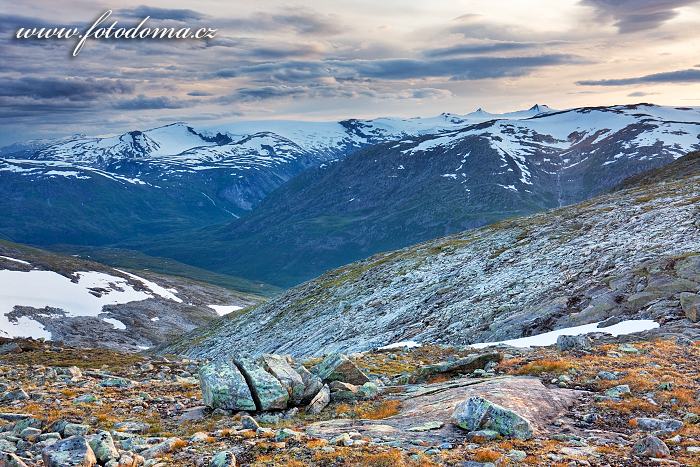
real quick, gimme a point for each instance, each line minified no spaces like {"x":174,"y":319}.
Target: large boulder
{"x":280,"y":368}
{"x":463,"y":365}
{"x":651,"y":446}
{"x":690,"y":303}
{"x":319,"y":402}
{"x":103,"y":446}
{"x":338,"y":367}
{"x":267,"y":391}
{"x":580,"y":342}
{"x":312,"y":384}
{"x":477,"y":413}
{"x":70,"y":452}
{"x":224,"y":387}
{"x":223,"y":459}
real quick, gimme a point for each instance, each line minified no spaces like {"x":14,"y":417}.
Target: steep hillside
{"x":628,"y":254}
{"x":395,"y":194}
{"x":80,"y":302}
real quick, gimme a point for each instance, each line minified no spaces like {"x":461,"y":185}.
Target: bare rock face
{"x":319,"y":402}
{"x":690,"y":303}
{"x":463,"y":365}
{"x":70,"y":452}
{"x":279,"y":367}
{"x":426,"y":409}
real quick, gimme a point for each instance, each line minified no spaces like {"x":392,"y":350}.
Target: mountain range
{"x":281,"y":202}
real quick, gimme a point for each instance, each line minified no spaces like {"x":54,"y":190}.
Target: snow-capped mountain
{"x":398,"y":193}
{"x":376,"y":184}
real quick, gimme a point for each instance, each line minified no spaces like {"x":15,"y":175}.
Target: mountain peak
{"x":540,"y":108}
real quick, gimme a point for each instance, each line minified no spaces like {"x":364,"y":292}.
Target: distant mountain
{"x":394,"y":194}
{"x":281,"y":202}
{"x":171,"y":178}
{"x":84,"y":303}
{"x":632,"y":254}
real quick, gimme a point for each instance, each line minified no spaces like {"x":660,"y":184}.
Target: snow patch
{"x":550,"y":338}
{"x":20,"y":261}
{"x":222,"y":310}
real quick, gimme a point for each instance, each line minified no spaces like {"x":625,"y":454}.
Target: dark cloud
{"x":477,"y":49}
{"x":72,"y":89}
{"x":142,"y":102}
{"x":199,"y":94}
{"x":681,"y":76}
{"x":174,"y":14}
{"x":637,"y":15}
{"x":641,"y":94}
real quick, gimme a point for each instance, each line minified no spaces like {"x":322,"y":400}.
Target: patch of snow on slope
{"x":40,"y":289}
{"x":225,"y":309}
{"x":16,"y":260}
{"x":115,"y":322}
{"x":550,"y":338}
{"x":155,"y":288}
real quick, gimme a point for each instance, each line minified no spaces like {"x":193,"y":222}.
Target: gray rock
{"x":132,"y":427}
{"x":249,"y":423}
{"x":463,"y":365}
{"x":312,"y":384}
{"x":268,"y":393}
{"x":116,"y":383}
{"x":16,"y":395}
{"x":368,"y":391}
{"x":690,"y":303}
{"x":338,"y":367}
{"x":607,"y":375}
{"x":280,"y":368}
{"x":75,"y":429}
{"x":74,"y":451}
{"x":618,"y":391}
{"x":224,"y":387}
{"x":102,"y":445}
{"x":477,"y":413}
{"x":10,"y":347}
{"x":665,"y":427}
{"x":318,"y":403}
{"x":223,"y":459}
{"x":651,"y":446}
{"x":161,"y":449}
{"x":580,"y":342}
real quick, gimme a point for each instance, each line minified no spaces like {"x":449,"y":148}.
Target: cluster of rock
{"x":277,"y":382}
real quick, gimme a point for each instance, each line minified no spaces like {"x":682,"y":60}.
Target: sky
{"x":331,"y":60}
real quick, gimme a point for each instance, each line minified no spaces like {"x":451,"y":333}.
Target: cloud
{"x":681,"y":76}
{"x":142,"y":102}
{"x":637,"y":15}
{"x":641,"y":94}
{"x":72,"y":89}
{"x":477,"y":48}
{"x":296,"y":20}
{"x":174,"y":14}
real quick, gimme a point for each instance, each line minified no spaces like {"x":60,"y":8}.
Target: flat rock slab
{"x":426,"y":409}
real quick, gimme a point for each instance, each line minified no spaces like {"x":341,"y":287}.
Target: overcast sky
{"x":328,"y":60}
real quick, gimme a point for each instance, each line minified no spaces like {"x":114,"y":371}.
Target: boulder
{"x":618,"y":392}
{"x":280,"y":368}
{"x":463,"y":365}
{"x":70,"y":452}
{"x":224,"y":387}
{"x":690,"y":303}
{"x":103,"y":446}
{"x":312,"y":384}
{"x":477,"y":413}
{"x":322,"y":399}
{"x":162,"y":448}
{"x":267,"y":391}
{"x":338,"y":367}
{"x":223,"y":459}
{"x":249,"y":423}
{"x":580,"y":342}
{"x":10,"y":347}
{"x":665,"y":427}
{"x":651,"y":446}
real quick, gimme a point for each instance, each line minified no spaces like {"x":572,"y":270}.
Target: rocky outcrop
{"x":224,"y":387}
{"x":70,"y":452}
{"x":338,"y":367}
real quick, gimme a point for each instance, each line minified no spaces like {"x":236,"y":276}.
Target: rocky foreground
{"x":582,"y":402}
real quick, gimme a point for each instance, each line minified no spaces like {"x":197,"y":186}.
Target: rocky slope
{"x":395,"y":194}
{"x":630,"y":404}
{"x":69,"y":299}
{"x":634,"y":253}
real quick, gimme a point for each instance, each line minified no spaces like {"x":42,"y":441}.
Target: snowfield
{"x":83,"y":296}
